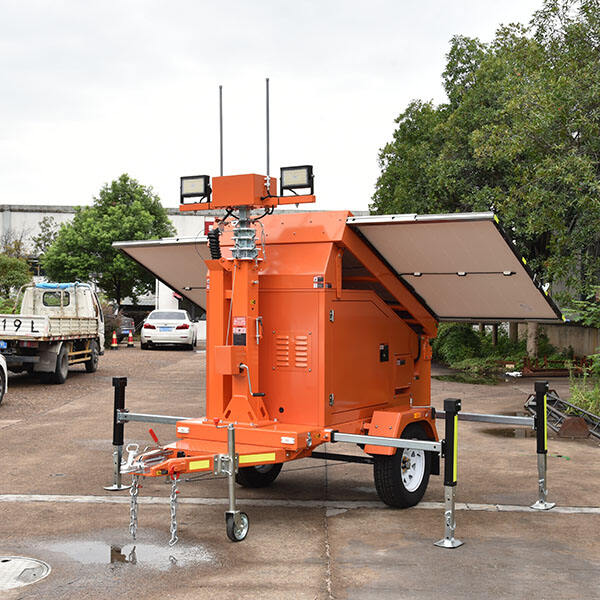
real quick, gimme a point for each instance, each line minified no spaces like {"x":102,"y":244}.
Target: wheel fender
{"x":392,"y":423}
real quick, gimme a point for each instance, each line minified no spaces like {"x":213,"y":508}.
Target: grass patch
{"x":585,"y":390}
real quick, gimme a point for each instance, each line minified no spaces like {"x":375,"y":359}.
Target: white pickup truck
{"x":60,"y":324}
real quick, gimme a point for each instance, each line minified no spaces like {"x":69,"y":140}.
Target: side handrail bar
{"x":490,"y":418}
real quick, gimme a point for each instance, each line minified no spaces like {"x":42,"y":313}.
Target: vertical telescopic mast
{"x":221,"y":125}
{"x":268,"y":142}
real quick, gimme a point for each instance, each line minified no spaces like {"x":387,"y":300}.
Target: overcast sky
{"x":90,"y":90}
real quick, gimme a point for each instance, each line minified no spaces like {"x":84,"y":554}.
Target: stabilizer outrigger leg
{"x":541,"y":427}
{"x":119,"y":383}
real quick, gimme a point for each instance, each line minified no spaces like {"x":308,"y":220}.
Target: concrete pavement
{"x":329,"y":537}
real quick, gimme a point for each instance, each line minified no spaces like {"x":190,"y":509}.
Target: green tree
{"x":14,"y":273}
{"x":82,"y":250}
{"x":48,"y":232}
{"x":519,"y":135}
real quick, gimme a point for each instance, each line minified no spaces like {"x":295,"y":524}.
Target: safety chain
{"x":133,"y":506}
{"x":173,"y":506}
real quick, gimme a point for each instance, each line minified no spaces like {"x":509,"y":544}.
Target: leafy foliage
{"x":587,"y":312}
{"x":14,"y":273}
{"x":519,"y":135}
{"x":48,"y":232}
{"x":82,"y":250}
{"x":13,"y":243}
{"x":456,"y":342}
{"x":480,"y":361}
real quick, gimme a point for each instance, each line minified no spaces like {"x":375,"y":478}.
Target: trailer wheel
{"x":235,"y":533}
{"x":401,"y":479}
{"x":91,"y":365}
{"x":258,"y":476}
{"x":62,"y":367}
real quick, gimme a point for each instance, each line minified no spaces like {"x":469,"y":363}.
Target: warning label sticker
{"x":239,"y":331}
{"x":239,"y":322}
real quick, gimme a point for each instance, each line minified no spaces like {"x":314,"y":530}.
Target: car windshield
{"x":167,"y":314}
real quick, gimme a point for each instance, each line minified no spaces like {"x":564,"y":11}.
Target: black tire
{"x":258,"y":476}
{"x":62,"y":366}
{"x":2,"y":385}
{"x":91,"y":365}
{"x":237,"y":534}
{"x":144,"y":345}
{"x":388,"y":470}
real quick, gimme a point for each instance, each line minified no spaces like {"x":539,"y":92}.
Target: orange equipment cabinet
{"x":337,"y":340}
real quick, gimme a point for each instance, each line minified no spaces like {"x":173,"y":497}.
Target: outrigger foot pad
{"x":448,"y":543}
{"x":543,"y":505}
{"x":116,"y":488}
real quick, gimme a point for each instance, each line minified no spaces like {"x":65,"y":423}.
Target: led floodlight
{"x":195,"y":186}
{"x":297,"y":178}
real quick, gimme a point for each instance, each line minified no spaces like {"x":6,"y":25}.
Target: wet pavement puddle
{"x":144,"y":554}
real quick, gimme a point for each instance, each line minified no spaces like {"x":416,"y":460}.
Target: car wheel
{"x":401,"y":479}
{"x":2,"y":385}
{"x":62,"y":366}
{"x":91,"y":365}
{"x":144,"y":345}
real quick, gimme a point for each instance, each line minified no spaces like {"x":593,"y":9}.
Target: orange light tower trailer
{"x":318,"y":330}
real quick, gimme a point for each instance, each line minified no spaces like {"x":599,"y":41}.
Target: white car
{"x":3,"y":378}
{"x":168,"y":327}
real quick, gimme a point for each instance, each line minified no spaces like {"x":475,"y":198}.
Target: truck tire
{"x":2,"y":385}
{"x":91,"y":365}
{"x":258,"y":476}
{"x":62,"y":366}
{"x":401,"y":479}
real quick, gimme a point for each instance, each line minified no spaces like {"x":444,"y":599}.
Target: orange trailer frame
{"x":309,"y":334}
{"x":313,"y":337}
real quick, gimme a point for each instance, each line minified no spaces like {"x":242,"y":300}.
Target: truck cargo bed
{"x":45,"y":328}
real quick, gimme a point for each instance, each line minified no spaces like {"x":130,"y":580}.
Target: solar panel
{"x":461,"y":265}
{"x":177,"y":262}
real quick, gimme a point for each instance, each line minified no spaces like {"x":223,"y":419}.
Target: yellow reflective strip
{"x":564,"y":318}
{"x":196,"y":465}
{"x":251,"y":458}
{"x":524,"y":261}
{"x":496,"y":219}
{"x":545,"y":424}
{"x":455,"y":453}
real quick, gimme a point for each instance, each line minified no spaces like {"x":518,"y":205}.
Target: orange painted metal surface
{"x":316,"y":334}
{"x":244,"y":190}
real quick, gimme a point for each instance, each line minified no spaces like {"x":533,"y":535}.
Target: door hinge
{"x":332,"y":315}
{"x":331,"y":399}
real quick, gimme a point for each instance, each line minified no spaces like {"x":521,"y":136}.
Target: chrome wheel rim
{"x":240,"y":530}
{"x":413,"y":468}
